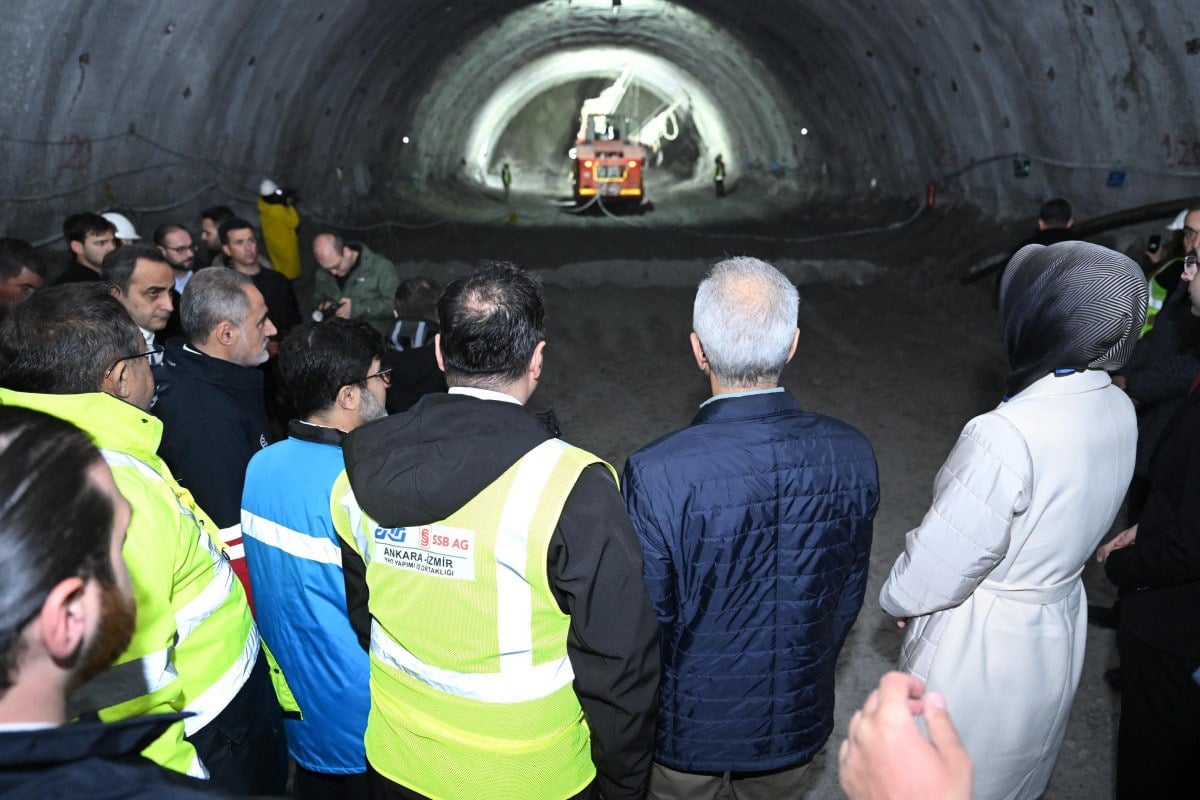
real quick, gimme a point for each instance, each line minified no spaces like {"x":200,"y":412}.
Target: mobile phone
{"x":1154,"y":243}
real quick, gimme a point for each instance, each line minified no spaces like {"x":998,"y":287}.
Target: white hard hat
{"x":1177,"y":223}
{"x":268,"y":187}
{"x":125,"y":230}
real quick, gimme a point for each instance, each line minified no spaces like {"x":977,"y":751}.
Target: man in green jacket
{"x":74,"y":353}
{"x":354,"y":282}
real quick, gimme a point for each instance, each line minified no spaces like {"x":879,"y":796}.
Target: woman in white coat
{"x":989,"y":584}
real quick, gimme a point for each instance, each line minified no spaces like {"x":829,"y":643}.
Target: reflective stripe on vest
{"x":124,"y":682}
{"x":293,"y":542}
{"x":212,"y":701}
{"x":518,"y":679}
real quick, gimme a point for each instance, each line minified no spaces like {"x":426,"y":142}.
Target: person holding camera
{"x":354,"y":282}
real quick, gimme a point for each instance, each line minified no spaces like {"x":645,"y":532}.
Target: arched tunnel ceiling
{"x":144,"y":104}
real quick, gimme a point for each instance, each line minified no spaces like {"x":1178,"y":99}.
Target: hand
{"x":885,"y":757}
{"x":343,"y":308}
{"x":1121,"y":540}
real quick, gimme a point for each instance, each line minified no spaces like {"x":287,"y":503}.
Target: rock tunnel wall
{"x":144,"y":105}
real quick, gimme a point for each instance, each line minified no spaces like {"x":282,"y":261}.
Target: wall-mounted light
{"x":804,"y":131}
{"x":405,"y":140}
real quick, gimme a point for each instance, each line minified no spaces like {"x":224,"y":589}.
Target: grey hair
{"x":213,"y":296}
{"x":745,"y":316}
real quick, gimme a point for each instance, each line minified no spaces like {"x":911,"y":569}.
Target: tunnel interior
{"x":406,"y":110}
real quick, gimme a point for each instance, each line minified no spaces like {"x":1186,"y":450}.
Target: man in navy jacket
{"x":755,"y":524}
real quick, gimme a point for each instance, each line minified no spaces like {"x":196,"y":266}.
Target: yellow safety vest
{"x":471,"y":687}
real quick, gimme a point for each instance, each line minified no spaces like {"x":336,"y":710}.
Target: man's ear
{"x":114,"y":382}
{"x":348,"y":397}
{"x":535,"y":363}
{"x":115,"y":292}
{"x":225,"y":250}
{"x":698,"y":352}
{"x":225,"y":334}
{"x":437,"y":351}
{"x":76,"y":248}
{"x":795,"y":343}
{"x":62,"y":620}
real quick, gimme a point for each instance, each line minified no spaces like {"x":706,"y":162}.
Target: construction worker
{"x":506,"y":179}
{"x":719,"y":176}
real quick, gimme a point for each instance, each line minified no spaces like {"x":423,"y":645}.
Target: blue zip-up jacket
{"x":755,"y":524}
{"x":295,"y":566}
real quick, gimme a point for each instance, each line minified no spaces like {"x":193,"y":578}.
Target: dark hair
{"x":63,"y":339}
{"x":18,"y":254}
{"x":78,"y":227}
{"x":231,"y":224}
{"x":416,"y":298}
{"x":160,"y":233}
{"x":217,"y":214}
{"x":213,"y":296}
{"x":118,"y":266}
{"x":317,"y":359}
{"x":55,"y":523}
{"x":491,"y":322}
{"x":1056,"y":212}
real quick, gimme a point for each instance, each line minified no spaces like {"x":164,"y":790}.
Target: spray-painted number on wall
{"x":1181,"y":152}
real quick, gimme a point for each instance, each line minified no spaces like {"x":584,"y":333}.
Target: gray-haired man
{"x":755,"y":524}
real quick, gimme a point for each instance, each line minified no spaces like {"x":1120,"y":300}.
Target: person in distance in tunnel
{"x":755,"y":523}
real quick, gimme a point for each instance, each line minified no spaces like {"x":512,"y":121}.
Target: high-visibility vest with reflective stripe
{"x":194,"y":642}
{"x":471,"y":693}
{"x":1156,"y":295}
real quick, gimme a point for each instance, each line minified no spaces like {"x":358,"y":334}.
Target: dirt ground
{"x":890,"y":341}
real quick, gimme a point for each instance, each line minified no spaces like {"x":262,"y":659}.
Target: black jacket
{"x":1159,"y":574}
{"x":94,"y":760}
{"x":280,"y":298}
{"x":423,"y":465}
{"x":214,"y":421}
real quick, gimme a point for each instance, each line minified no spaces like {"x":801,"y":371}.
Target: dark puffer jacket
{"x":756,"y":532}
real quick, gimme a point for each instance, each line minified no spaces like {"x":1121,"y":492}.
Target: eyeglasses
{"x":384,"y":375}
{"x":184,"y":248}
{"x":146,"y":355}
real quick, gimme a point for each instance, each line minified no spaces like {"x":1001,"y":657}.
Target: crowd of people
{"x":331,"y":553}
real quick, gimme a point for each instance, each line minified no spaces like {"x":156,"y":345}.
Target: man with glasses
{"x":211,"y":398}
{"x":73,"y":352}
{"x":333,"y":373}
{"x":1161,"y":369}
{"x":175,"y":243}
{"x":141,"y":279}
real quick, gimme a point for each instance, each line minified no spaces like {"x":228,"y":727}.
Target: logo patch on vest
{"x":436,"y":550}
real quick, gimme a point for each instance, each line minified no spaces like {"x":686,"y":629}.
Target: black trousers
{"x":1158,"y":740}
{"x":384,"y":789}
{"x":244,"y":747}
{"x":310,"y":785}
